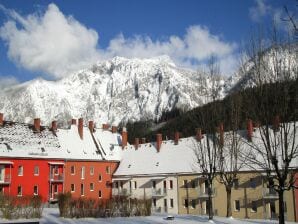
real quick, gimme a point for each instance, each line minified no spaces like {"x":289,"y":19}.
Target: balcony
{"x":160,"y":192}
{"x":121,"y":192}
{"x":269,"y":193}
{"x":5,"y":179}
{"x":204,"y":193}
{"x":56,"y":178}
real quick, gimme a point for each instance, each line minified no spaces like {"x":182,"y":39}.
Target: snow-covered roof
{"x":20,"y":140}
{"x":171,"y":159}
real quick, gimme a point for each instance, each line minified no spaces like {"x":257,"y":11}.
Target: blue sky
{"x":53,"y":38}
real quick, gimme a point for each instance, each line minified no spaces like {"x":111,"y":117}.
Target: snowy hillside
{"x":111,"y":91}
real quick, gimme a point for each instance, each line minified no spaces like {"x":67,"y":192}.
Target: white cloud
{"x":56,"y":44}
{"x":260,"y":10}
{"x":51,"y":43}
{"x":7,"y":81}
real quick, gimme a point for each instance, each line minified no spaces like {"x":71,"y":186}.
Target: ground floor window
{"x":154,"y":202}
{"x":35,"y":190}
{"x":82,"y":189}
{"x":193,"y":203}
{"x":186,"y":203}
{"x":72,"y":187}
{"x":99,"y":194}
{"x":19,"y":190}
{"x":254,"y":206}
{"x":237,"y":205}
{"x":172,"y":203}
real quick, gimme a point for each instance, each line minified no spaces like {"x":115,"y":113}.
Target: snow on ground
{"x":51,"y":215}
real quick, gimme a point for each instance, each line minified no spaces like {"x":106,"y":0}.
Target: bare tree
{"x":229,"y":162}
{"x":206,"y":149}
{"x":274,"y":148}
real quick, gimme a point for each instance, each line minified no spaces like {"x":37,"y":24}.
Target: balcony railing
{"x":56,"y":178}
{"x":121,"y":192}
{"x":269,"y":193}
{"x":5,"y":179}
{"x":159,"y":192}
{"x":204,"y":193}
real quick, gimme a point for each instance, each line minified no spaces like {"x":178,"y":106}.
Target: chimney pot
{"x":124,"y":138}
{"x":1,"y":119}
{"x":158,"y":142}
{"x":114,"y":129}
{"x":54,"y":125}
{"x":80,"y":127}
{"x":137,"y":143}
{"x":249,"y":130}
{"x":73,"y":121}
{"x":91,"y":126}
{"x":199,"y":134}
{"x":37,"y":124}
{"x":176,"y":138}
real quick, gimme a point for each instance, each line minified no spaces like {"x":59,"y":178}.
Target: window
{"x":193,"y":203}
{"x":185,"y":203}
{"x":108,"y":170}
{"x":72,"y":188}
{"x":72,"y":170}
{"x":91,"y":187}
{"x":154,"y":184}
{"x":154,"y":202}
{"x":135,"y":184}
{"x":237,"y":205}
{"x":83,"y":172}
{"x":254,"y":206}
{"x":116,"y":185}
{"x":20,"y":171}
{"x":35,"y":190}
{"x":236,"y":183}
{"x":91,"y":170}
{"x":82,"y":189}
{"x":165,"y":184}
{"x":165,"y":203}
{"x":99,"y":194}
{"x":171,"y":184}
{"x":252,"y":182}
{"x":55,"y":188}
{"x":172,"y":203}
{"x":36,"y":170}
{"x":99,"y":177}
{"x":19,"y":190}
{"x":193,"y":183}
{"x":56,"y":170}
{"x":185,"y":183}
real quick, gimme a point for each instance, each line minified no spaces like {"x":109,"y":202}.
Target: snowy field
{"x":51,"y":215}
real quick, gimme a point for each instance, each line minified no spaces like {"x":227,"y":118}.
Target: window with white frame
{"x":99,"y":177}
{"x":91,"y":170}
{"x":91,"y":187}
{"x":55,"y":188}
{"x":35,"y":190}
{"x":20,"y":170}
{"x":82,"y":172}
{"x":36,"y":170}
{"x":72,"y":170}
{"x":72,"y":187}
{"x":99,"y":194}
{"x":82,"y":190}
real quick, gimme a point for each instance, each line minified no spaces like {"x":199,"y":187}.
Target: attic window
{"x":157,"y":164}
{"x":43,"y":149}
{"x":129,"y":165}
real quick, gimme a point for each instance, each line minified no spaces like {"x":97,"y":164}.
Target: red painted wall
{"x":99,"y":169}
{"x":29,"y":180}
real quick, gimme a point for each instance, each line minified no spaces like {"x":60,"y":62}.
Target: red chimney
{"x":124,"y":138}
{"x":249,"y":130}
{"x":54,"y":125}
{"x":1,"y":118}
{"x":176,"y":138}
{"x":143,"y":140}
{"x":137,"y":143}
{"x":158,"y":141}
{"x":105,"y":126}
{"x":276,"y":123}
{"x":80,"y":127}
{"x":37,"y":124}
{"x":199,"y":134}
{"x":73,"y":121}
{"x":114,"y":129}
{"x":91,"y":126}
{"x":221,"y":134}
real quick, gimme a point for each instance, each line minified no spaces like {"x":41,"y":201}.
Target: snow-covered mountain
{"x":113,"y":91}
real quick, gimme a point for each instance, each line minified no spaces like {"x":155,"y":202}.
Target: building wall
{"x":103,"y":184}
{"x":28,"y":179}
{"x":250,"y":190}
{"x":296,"y":197}
{"x":144,"y":189}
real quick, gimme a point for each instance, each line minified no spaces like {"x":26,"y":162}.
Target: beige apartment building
{"x":251,"y":198}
